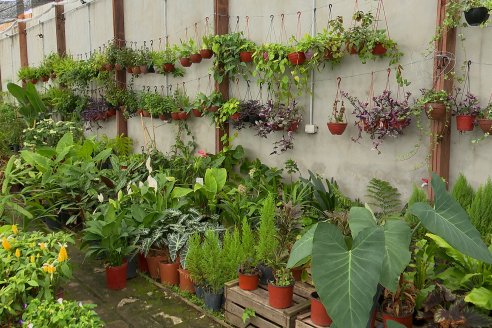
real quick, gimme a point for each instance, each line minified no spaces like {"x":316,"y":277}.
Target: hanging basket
{"x":485,"y":125}
{"x":435,"y":111}
{"x":206,"y":53}
{"x":196,"y":58}
{"x":336,"y":129}
{"x":379,"y":50}
{"x":465,"y":123}
{"x":477,"y":16}
{"x":168,"y":68}
{"x":185,"y":62}
{"x":297,"y":58}
{"x":246,"y":56}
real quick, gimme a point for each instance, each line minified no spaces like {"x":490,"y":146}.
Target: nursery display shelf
{"x":186,"y":300}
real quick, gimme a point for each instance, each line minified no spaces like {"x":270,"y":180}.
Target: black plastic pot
{"x":53,"y":224}
{"x":132,"y":267}
{"x":151,"y":69}
{"x":213,"y":301}
{"x":477,"y":16}
{"x":266,"y":274}
{"x":199,"y":292}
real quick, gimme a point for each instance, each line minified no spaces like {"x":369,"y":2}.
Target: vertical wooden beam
{"x":119,"y":36}
{"x":221,"y":26}
{"x":61,"y":41}
{"x":24,"y":58}
{"x":441,"y":147}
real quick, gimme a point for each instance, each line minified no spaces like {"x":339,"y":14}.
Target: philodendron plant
{"x":348,"y":269}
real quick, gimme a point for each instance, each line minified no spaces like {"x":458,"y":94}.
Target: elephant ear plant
{"x":347,"y":269}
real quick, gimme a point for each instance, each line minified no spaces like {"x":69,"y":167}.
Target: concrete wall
{"x":411,"y":23}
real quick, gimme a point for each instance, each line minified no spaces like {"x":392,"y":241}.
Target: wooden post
{"x":24,"y":59}
{"x":61,"y":41}
{"x":119,"y":36}
{"x":221,"y":26}
{"x":441,"y":147}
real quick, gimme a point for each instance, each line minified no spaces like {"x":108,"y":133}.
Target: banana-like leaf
{"x":450,"y":221}
{"x":347,"y":279}
{"x":481,"y":297}
{"x":302,"y":249}
{"x":397,"y":236}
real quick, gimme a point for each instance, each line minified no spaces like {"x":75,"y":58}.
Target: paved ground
{"x":140,"y":304}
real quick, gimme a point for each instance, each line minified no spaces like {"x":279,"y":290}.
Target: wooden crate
{"x":237,"y":300}
{"x":304,"y":321}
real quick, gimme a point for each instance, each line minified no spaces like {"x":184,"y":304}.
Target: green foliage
{"x":480,"y":209}
{"x":65,"y":102}
{"x":61,"y":314}
{"x":30,"y":103}
{"x":383,"y":196}
{"x":267,"y":232}
{"x":418,"y":195}
{"x":283,"y":277}
{"x":226,"y":48}
{"x":121,"y":145}
{"x":231,"y":254}
{"x":47,"y":133}
{"x":248,"y":251}
{"x":214,"y":263}
{"x":248,"y":314}
{"x":195,"y":258}
{"x":463,"y":192}
{"x":11,"y":126}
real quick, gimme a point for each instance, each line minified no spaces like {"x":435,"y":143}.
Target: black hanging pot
{"x":476,"y":16}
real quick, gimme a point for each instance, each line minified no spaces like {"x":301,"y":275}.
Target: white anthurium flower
{"x":147,"y":164}
{"x":60,"y":300}
{"x":30,"y":325}
{"x":100,"y":197}
{"x":152,"y":182}
{"x":140,"y":184}
{"x":129,"y":190}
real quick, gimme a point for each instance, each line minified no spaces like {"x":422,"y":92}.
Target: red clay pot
{"x":45,"y":78}
{"x":136,"y":70}
{"x":297,"y":58}
{"x":235,"y":116}
{"x":142,"y":262}
{"x":280,"y":297}
{"x":293,"y":127}
{"x":206,"y":53}
{"x":435,"y":111}
{"x":246,"y":56}
{"x":379,"y":50}
{"x":153,"y":264}
{"x":319,"y":316}
{"x":145,"y":113}
{"x":197,"y":113}
{"x":336,"y":128}
{"x":400,"y":124}
{"x":34,"y":81}
{"x":117,"y":67}
{"x":297,"y":273}
{"x":164,"y":117}
{"x":465,"y":122}
{"x":213,"y":109}
{"x":175,"y":116}
{"x":169,"y":273}
{"x":196,"y":58}
{"x":185,"y":283}
{"x":183,"y":115}
{"x":248,"y":281}
{"x":405,"y":320}
{"x":129,"y":70}
{"x":108,"y":67}
{"x":485,"y":125}
{"x":168,"y":68}
{"x":185,"y":62}
{"x":116,"y":276}
{"x":110,"y":112}
{"x":352,"y":49}
{"x":144,"y":69}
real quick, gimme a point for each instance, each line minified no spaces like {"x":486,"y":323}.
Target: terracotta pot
{"x":336,"y":128}
{"x":164,"y":117}
{"x":34,"y":81}
{"x":185,"y":283}
{"x":142,"y":262}
{"x":280,"y":297}
{"x":379,"y":50}
{"x":213,"y":109}
{"x":319,"y":316}
{"x":400,"y":124}
{"x":465,"y":122}
{"x":136,"y":70}
{"x":293,"y":127}
{"x":111,"y":112}
{"x":145,"y":113}
{"x":168,"y":68}
{"x":108,"y":67}
{"x":206,"y":53}
{"x":435,"y":111}
{"x":485,"y":125}
{"x":169,"y":273}
{"x":185,"y":62}
{"x":235,"y":116}
{"x":197,"y":113}
{"x":153,"y":264}
{"x":144,"y":69}
{"x":118,"y":67}
{"x":248,"y":281}
{"x":129,"y":70}
{"x":45,"y":78}
{"x":246,"y":56}
{"x":297,"y":58}
{"x":352,"y":49}
{"x":175,"y":116}
{"x":297,"y":273}
{"x":404,"y":320}
{"x":183,"y":115}
{"x":116,"y":276}
{"x":196,"y":58}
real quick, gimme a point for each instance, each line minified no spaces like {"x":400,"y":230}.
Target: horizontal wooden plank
{"x":304,"y":290}
{"x":237,"y":321}
{"x":256,"y":321}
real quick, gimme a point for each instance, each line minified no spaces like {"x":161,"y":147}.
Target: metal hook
{"x":237,"y":20}
{"x":282,"y":17}
{"x":330,"y":6}
{"x":206,"y":19}
{"x":271,"y":18}
{"x":155,"y":88}
{"x":299,"y":15}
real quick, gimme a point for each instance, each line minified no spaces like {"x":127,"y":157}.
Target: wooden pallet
{"x":237,"y":300}
{"x":304,"y":321}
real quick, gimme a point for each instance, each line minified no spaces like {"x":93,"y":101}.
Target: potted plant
{"x":194,"y":263}
{"x":124,"y":59}
{"x":107,"y":235}
{"x":399,"y":306}
{"x":281,"y":289}
{"x":27,"y":73}
{"x":319,"y":316}
{"x":200,"y":104}
{"x":249,"y":114}
{"x":267,"y":240}
{"x":183,"y":106}
{"x":331,"y":41}
{"x":337,"y":124}
{"x":247,"y":49}
{"x":357,"y":36}
{"x":227,"y":60}
{"x":271,"y":62}
{"x":195,"y":56}
{"x":184,"y":53}
{"x":435,"y":103}
{"x":229,"y":110}
{"x":248,"y":272}
{"x":476,"y":11}
{"x":485,"y":119}
{"x":143,"y":60}
{"x":214,"y":102}
{"x":143,"y":111}
{"x":213,"y":271}
{"x":155,"y":105}
{"x":206,"y":52}
{"x":297,"y":51}
{"x":466,"y":108}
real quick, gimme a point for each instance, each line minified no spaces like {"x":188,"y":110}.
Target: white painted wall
{"x":411,"y":23}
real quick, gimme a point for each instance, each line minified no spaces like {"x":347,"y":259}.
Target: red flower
{"x":202,"y":153}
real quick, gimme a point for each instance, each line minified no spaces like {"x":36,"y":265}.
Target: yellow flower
{"x":14,"y":229}
{"x":62,"y":255}
{"x":49,"y":268}
{"x":42,"y":246}
{"x":33,"y":258}
{"x":6,"y":244}
{"x":17,"y":253}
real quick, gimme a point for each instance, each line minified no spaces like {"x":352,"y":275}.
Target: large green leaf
{"x":360,"y":218}
{"x":481,"y":297}
{"x":450,"y":221}
{"x":302,"y":249}
{"x":65,"y":142}
{"x":347,"y":279}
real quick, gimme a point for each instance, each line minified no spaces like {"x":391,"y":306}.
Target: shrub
{"x":11,"y":126}
{"x":463,"y":192}
{"x":267,"y":232}
{"x":248,"y":252}
{"x":213,"y":262}
{"x":480,"y":210}
{"x":48,"y":132}
{"x":194,"y":258}
{"x":231,"y":254}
